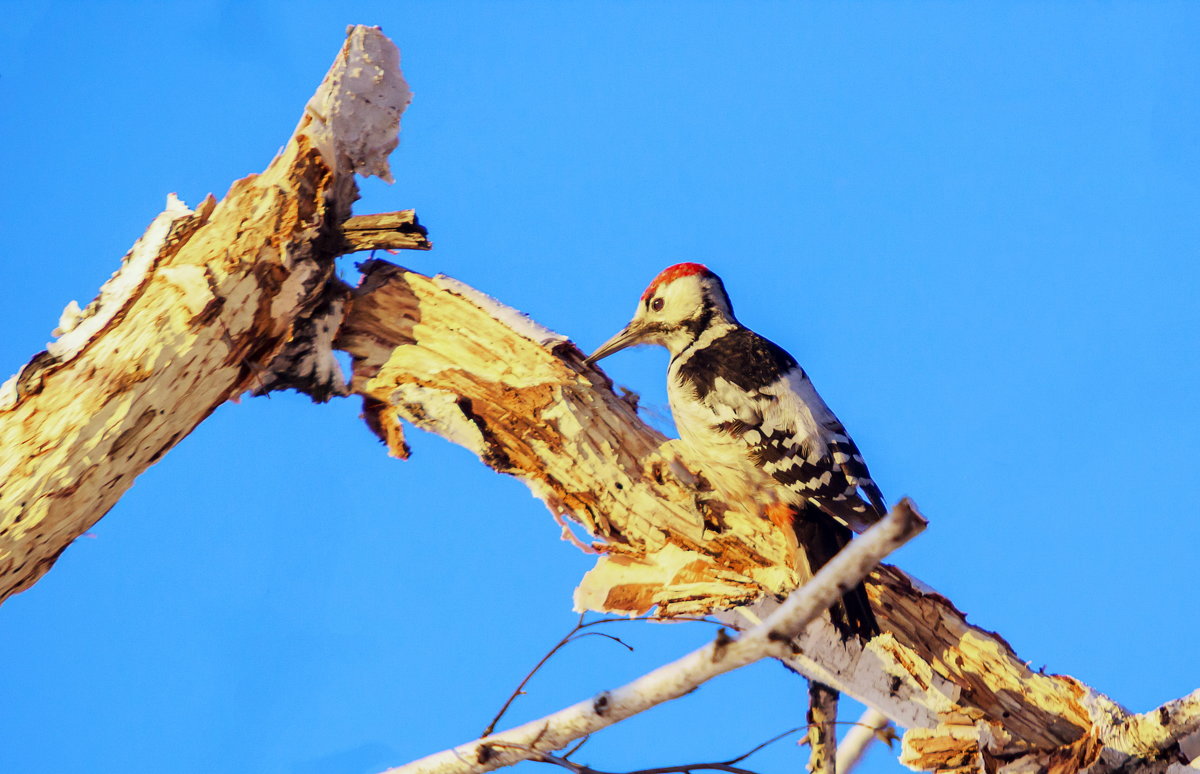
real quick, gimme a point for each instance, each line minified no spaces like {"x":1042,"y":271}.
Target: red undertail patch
{"x":781,"y":514}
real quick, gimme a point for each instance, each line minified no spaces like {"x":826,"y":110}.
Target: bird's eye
{"x":657,"y":304}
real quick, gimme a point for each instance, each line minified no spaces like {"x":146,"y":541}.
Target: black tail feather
{"x":859,"y":619}
{"x":821,"y":537}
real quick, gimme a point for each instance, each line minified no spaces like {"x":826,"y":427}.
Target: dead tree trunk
{"x":200,"y":307}
{"x":453,"y":361}
{"x":239,"y":295}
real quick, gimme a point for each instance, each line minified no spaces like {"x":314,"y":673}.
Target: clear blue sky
{"x":974,"y":224}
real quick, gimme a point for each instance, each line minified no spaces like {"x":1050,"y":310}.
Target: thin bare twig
{"x":568,"y":638}
{"x":769,"y":639}
{"x":685,"y":769}
{"x":872,"y":725}
{"x":726,"y":766}
{"x":520,"y":689}
{"x":580,"y":768}
{"x":575,"y":749}
{"x":719,"y":765}
{"x":770,"y":741}
{"x":617,"y":640}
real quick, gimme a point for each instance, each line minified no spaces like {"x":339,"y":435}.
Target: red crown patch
{"x":672,"y":273}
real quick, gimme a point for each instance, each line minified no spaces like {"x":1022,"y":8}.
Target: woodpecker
{"x":749,"y":414}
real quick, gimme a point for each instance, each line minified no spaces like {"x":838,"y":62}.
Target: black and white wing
{"x":756,"y":392}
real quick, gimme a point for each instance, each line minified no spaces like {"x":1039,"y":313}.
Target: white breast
{"x":725,"y":458}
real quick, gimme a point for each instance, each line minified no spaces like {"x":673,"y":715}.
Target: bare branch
{"x":1152,"y":741}
{"x":771,"y":638}
{"x":681,"y":769}
{"x":385,"y":231}
{"x":240,"y":294}
{"x":615,"y":639}
{"x":568,"y":638}
{"x":520,"y":689}
{"x":728,"y":766}
{"x":856,"y":741}
{"x":684,"y":768}
{"x":201,"y":305}
{"x":575,"y":749}
{"x":520,"y":397}
{"x":822,"y":728}
{"x":767,"y":743}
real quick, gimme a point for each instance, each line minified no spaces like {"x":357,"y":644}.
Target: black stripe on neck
{"x":699,"y":324}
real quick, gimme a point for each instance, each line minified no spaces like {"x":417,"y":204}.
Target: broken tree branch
{"x":822,"y":728}
{"x":240,"y":294}
{"x":200,"y":307}
{"x":454,"y":361}
{"x":772,"y":638}
{"x":385,"y":231}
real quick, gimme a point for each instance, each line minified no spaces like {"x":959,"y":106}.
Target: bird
{"x":749,"y":415}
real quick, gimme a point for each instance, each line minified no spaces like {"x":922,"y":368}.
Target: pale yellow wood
{"x":199,"y":311}
{"x":209,"y":298}
{"x":822,"y":728}
{"x":450,"y":360}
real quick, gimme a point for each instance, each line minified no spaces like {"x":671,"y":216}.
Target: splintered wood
{"x":822,"y":728}
{"x":240,"y":295}
{"x":201,"y":306}
{"x":534,"y":739}
{"x":453,"y":361}
{"x":426,"y":352}
{"x":385,"y":231}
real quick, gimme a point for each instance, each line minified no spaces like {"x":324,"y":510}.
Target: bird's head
{"x":679,"y":305}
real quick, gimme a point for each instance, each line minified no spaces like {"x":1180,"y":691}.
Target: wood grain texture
{"x":822,"y":728}
{"x":455,"y":362}
{"x":200,"y":309}
{"x":385,"y":231}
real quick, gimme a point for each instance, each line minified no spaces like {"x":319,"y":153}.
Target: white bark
{"x":200,"y":307}
{"x":772,"y":638}
{"x":435,"y":354}
{"x":856,"y":741}
{"x":208,"y":300}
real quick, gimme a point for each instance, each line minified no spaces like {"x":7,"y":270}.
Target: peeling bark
{"x":451,"y":360}
{"x":240,"y":295}
{"x":386,"y":231}
{"x":202,"y":305}
{"x":431,"y":353}
{"x":724,"y":654}
{"x":822,"y":728}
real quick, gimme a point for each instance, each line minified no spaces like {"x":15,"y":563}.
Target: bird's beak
{"x":631,"y":334}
